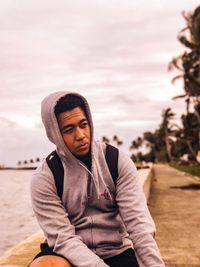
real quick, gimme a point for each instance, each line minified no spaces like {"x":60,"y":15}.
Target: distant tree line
{"x":28,"y":162}
{"x":115,"y":140}
{"x":169,"y":142}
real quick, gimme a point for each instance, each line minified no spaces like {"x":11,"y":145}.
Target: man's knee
{"x":50,"y":261}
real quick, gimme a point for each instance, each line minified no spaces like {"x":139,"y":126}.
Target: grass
{"x":191,"y":169}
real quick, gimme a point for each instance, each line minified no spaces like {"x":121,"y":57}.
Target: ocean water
{"x":17,"y":220}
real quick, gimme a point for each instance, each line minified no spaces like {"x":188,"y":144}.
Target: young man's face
{"x":75,"y":130}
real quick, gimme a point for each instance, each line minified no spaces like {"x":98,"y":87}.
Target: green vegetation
{"x":171,"y":142}
{"x":193,"y":170}
{"x":179,"y":145}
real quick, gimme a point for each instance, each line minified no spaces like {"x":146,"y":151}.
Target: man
{"x":97,"y":223}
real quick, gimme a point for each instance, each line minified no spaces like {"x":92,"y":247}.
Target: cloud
{"x":114,"y":52}
{"x":6,"y":123}
{"x":19,"y":144}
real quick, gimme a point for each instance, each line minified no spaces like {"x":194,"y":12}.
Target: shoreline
{"x":18,"y":168}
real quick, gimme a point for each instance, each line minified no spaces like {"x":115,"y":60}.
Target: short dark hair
{"x":69,"y":102}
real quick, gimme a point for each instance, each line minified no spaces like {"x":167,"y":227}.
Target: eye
{"x":84,"y":124}
{"x":67,"y":130}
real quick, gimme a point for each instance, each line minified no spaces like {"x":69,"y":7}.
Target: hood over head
{"x":53,"y":133}
{"x":50,"y":121}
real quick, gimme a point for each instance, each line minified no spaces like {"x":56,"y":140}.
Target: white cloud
{"x":114,"y":52}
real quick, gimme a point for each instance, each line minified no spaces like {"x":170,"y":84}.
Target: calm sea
{"x":16,"y":216}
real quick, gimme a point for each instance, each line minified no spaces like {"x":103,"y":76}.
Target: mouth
{"x":83,"y":147}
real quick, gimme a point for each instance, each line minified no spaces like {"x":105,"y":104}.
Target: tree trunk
{"x":168,"y":147}
{"x":191,"y":149}
{"x":198,"y":118}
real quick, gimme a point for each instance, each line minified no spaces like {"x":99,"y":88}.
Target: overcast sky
{"x":114,"y":52}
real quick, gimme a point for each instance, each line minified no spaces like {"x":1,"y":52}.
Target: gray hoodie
{"x":96,"y":219}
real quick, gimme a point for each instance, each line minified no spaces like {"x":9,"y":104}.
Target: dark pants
{"x":125,"y":259}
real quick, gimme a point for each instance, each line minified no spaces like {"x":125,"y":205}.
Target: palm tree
{"x":190,"y":132}
{"x":166,"y":130}
{"x":188,"y":63}
{"x":37,"y":159}
{"x":159,"y":142}
{"x":136,"y":143}
{"x":105,"y":140}
{"x":116,"y":139}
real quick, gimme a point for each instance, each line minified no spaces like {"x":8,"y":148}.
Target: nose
{"x":79,"y":134}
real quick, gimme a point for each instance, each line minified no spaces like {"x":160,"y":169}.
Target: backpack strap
{"x":56,"y":167}
{"x":112,"y":155}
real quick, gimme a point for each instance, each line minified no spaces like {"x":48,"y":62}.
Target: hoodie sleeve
{"x":54,"y":221}
{"x":135,"y":214}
